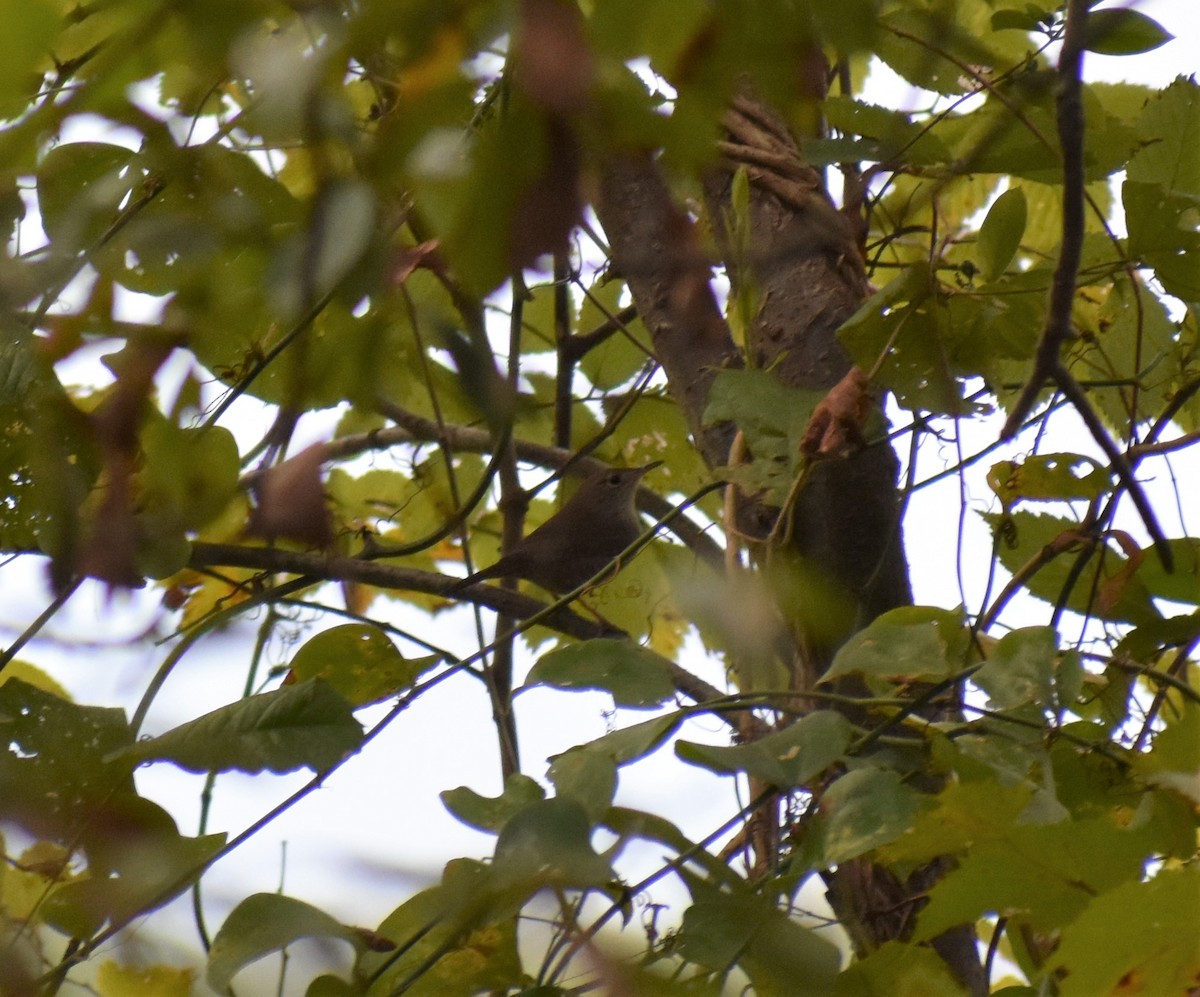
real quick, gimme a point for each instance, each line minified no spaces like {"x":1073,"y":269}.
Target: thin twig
{"x":1062,"y":292}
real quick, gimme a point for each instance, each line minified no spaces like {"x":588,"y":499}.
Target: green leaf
{"x":1169,"y":129}
{"x":1001,"y":232}
{"x":773,"y":950}
{"x":964,"y":813}
{"x":1137,"y":938}
{"x":636,"y":677}
{"x":1122,"y":31}
{"x":912,"y":643}
{"x":1051,"y":873}
{"x":189,"y":475}
{"x":1182,"y":584}
{"x":1174,"y":760}
{"x":935,"y":46}
{"x":894,"y":134}
{"x":629,"y":824}
{"x":29,"y":30}
{"x":772,"y":418}
{"x":1020,"y":670}
{"x":57,"y":769}
{"x":264,"y":923}
{"x":359,"y":662}
{"x":548,"y":843}
{"x":305,"y":725}
{"x":80,"y":188}
{"x":491,"y":813}
{"x":631,"y":743}
{"x":614,"y":361}
{"x":327,"y":985}
{"x":1165,"y":233}
{"x":863,"y":809}
{"x":896,"y":969}
{"x":1030,"y":19}
{"x":1024,"y":536}
{"x":909,"y":333}
{"x":456,"y":939}
{"x":590,"y":777}
{"x":786,"y":758}
{"x":1055,"y":477}
{"x":147,"y":862}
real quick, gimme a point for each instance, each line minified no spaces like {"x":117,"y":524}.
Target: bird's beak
{"x":647,"y":468}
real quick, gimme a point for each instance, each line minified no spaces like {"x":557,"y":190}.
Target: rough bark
{"x":808,"y":274}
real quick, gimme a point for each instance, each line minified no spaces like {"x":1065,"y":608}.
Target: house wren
{"x":586,"y":535}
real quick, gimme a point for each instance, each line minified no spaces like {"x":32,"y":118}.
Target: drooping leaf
{"x":589,"y":777}
{"x":304,"y":725}
{"x":455,"y":939}
{"x":80,"y":187}
{"x":785,"y":758}
{"x":548,"y":843}
{"x":492,"y":813}
{"x":772,"y":949}
{"x":1025,"y":536}
{"x":266,"y":923}
{"x":631,"y":743}
{"x":140,"y":863}
{"x":635,"y":676}
{"x":1001,"y":232}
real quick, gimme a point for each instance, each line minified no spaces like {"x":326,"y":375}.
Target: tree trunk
{"x":809,"y":277}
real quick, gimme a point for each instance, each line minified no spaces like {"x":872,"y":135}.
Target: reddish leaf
{"x":291,"y":501}
{"x":414,"y":258}
{"x":551,"y":205}
{"x":554,"y":66}
{"x":1111,"y":589}
{"x":835,"y":428}
{"x":110,"y":550}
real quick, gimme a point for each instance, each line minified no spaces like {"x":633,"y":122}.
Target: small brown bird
{"x":586,"y":535}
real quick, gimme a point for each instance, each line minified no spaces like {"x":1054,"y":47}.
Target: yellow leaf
{"x":116,"y":980}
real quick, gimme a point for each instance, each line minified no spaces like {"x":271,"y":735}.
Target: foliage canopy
{"x":476,"y":242}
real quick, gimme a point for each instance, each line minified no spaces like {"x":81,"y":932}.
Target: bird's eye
{"x":614,"y":479}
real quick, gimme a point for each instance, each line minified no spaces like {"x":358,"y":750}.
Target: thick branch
{"x":321,"y":567}
{"x":656,"y":249}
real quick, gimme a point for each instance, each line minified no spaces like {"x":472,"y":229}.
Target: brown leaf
{"x":414,"y":258}
{"x":117,"y":418}
{"x":290,"y":501}
{"x":1112,"y":588}
{"x":835,"y":428}
{"x":551,"y":205}
{"x":110,"y":550}
{"x":554,"y":64}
